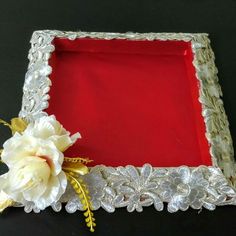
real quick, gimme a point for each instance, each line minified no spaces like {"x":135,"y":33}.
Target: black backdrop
{"x":19,"y":18}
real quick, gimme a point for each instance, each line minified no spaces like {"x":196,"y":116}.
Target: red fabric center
{"x":133,"y":102}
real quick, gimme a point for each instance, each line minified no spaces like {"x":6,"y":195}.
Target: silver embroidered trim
{"x":35,"y":101}
{"x":135,"y":188}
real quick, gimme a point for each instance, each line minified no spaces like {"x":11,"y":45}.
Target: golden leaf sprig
{"x":74,"y":167}
{"x":17,"y":125}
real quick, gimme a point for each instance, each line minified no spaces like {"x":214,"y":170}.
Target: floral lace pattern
{"x":135,"y":188}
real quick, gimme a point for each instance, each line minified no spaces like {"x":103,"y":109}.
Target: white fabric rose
{"x":49,"y":128}
{"x":34,"y":159}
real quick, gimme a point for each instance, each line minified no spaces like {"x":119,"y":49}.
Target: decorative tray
{"x":149,"y":111}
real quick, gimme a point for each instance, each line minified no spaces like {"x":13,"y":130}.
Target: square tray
{"x":149,"y":110}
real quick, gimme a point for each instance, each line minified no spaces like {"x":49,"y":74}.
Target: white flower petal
{"x":75,"y":136}
{"x":56,"y":188}
{"x":48,"y":128}
{"x":185,"y":174}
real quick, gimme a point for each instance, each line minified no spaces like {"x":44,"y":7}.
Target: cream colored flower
{"x":34,"y":159}
{"x":49,"y":128}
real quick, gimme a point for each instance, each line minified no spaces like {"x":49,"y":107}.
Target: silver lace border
{"x":134,"y":187}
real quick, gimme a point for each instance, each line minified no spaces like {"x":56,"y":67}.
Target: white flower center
{"x":29,"y":172}
{"x":47,"y":159}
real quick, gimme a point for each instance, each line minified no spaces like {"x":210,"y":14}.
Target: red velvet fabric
{"x":133,"y":102}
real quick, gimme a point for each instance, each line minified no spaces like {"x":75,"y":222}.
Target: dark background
{"x":19,"y":18}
